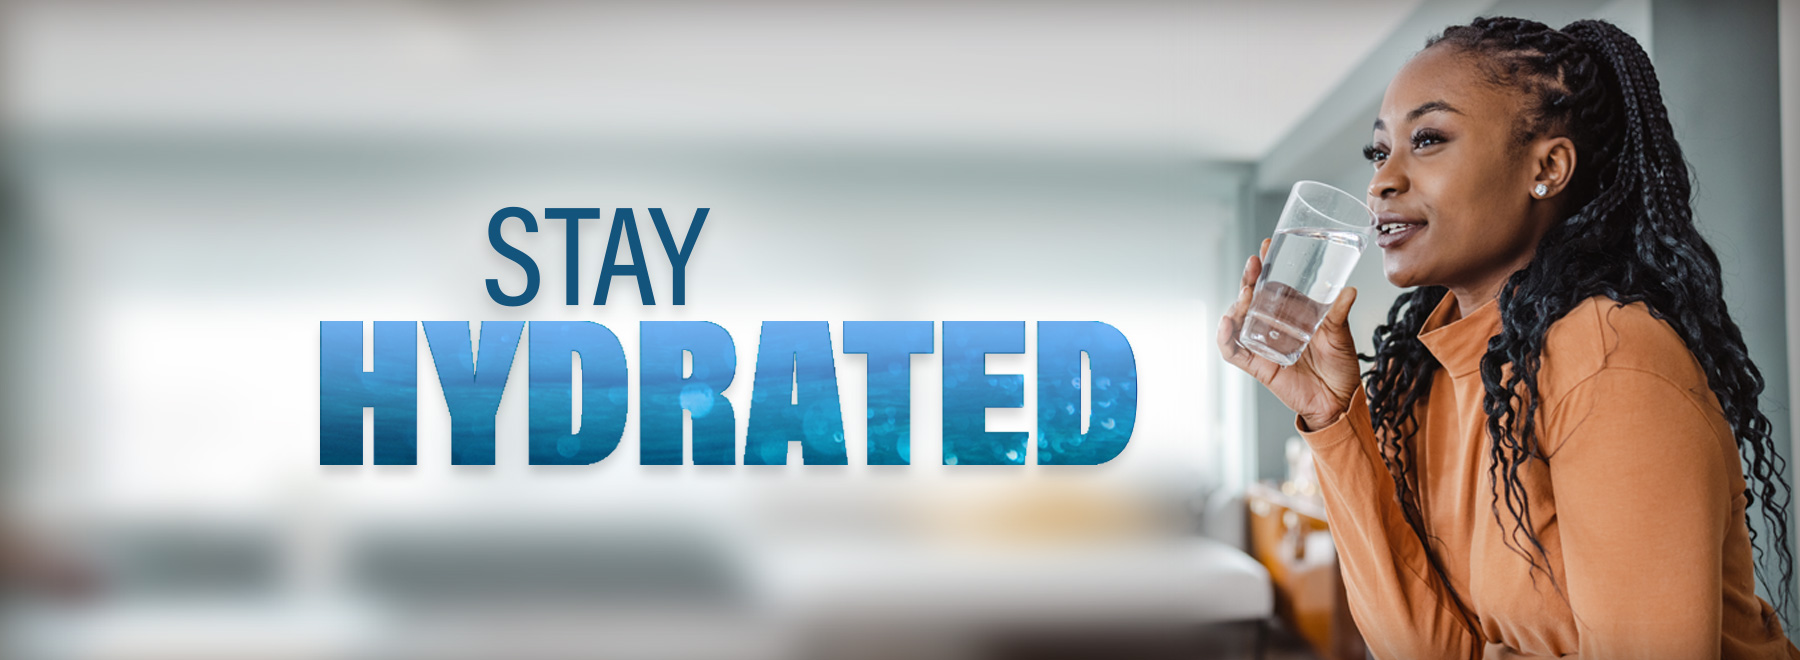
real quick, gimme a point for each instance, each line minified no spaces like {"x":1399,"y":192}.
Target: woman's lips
{"x":1392,"y":229}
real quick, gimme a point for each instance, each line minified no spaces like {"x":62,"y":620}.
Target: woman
{"x":1543,"y":459}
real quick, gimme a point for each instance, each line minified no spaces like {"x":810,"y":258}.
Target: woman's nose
{"x":1387,"y":182}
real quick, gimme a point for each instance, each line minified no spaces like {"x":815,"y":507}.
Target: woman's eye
{"x":1374,"y":154}
{"x":1424,"y":139}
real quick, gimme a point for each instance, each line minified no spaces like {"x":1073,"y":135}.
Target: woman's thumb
{"x":1339,"y":315}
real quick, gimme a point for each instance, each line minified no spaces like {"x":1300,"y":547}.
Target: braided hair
{"x":1628,"y":235}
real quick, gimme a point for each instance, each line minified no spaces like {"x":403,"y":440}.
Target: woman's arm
{"x":1641,"y":472}
{"x":1399,"y":605}
{"x":1400,"y":609}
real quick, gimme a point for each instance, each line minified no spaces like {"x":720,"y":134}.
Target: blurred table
{"x":1290,"y":537}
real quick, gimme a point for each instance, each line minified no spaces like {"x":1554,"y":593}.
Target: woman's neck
{"x":1470,"y":299}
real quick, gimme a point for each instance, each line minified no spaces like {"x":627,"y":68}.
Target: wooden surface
{"x":1289,"y":535}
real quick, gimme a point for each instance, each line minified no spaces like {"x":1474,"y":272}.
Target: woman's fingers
{"x":1333,"y":349}
{"x":1308,"y":382}
{"x":1234,"y":315}
{"x":1334,"y":330}
{"x":1246,"y":288}
{"x":1234,"y":354}
{"x":1244,"y":359}
{"x":1339,"y":316}
{"x":1233,"y":319}
{"x":1227,"y":340}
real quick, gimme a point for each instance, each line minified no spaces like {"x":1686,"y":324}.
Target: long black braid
{"x":1629,"y":236}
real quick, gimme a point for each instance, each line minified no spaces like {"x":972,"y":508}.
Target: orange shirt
{"x":1640,"y":509}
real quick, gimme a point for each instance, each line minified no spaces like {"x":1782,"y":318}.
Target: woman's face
{"x":1452,"y":189}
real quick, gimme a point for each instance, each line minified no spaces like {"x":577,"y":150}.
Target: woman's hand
{"x":1319,"y":385}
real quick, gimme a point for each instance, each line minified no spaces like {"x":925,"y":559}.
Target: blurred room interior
{"x":192,"y":186}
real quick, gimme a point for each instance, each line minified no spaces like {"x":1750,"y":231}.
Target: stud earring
{"x":1541,"y":190}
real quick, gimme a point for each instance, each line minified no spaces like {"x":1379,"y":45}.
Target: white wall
{"x":1790,"y":199}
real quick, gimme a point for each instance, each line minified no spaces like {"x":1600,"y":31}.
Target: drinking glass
{"x":1321,"y":233}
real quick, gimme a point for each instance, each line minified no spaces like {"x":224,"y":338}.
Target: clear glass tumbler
{"x":1321,"y":233}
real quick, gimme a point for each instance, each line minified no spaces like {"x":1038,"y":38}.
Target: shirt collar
{"x":1459,"y":344}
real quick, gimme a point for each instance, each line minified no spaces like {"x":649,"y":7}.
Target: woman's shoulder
{"x":1621,"y":357}
{"x":1602,"y":334}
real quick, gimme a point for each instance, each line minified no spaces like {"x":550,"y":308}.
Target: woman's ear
{"x":1554,"y":160}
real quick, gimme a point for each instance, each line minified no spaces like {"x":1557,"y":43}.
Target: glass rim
{"x":1294,"y":194}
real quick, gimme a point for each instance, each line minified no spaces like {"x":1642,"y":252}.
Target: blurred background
{"x":190,"y":187}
